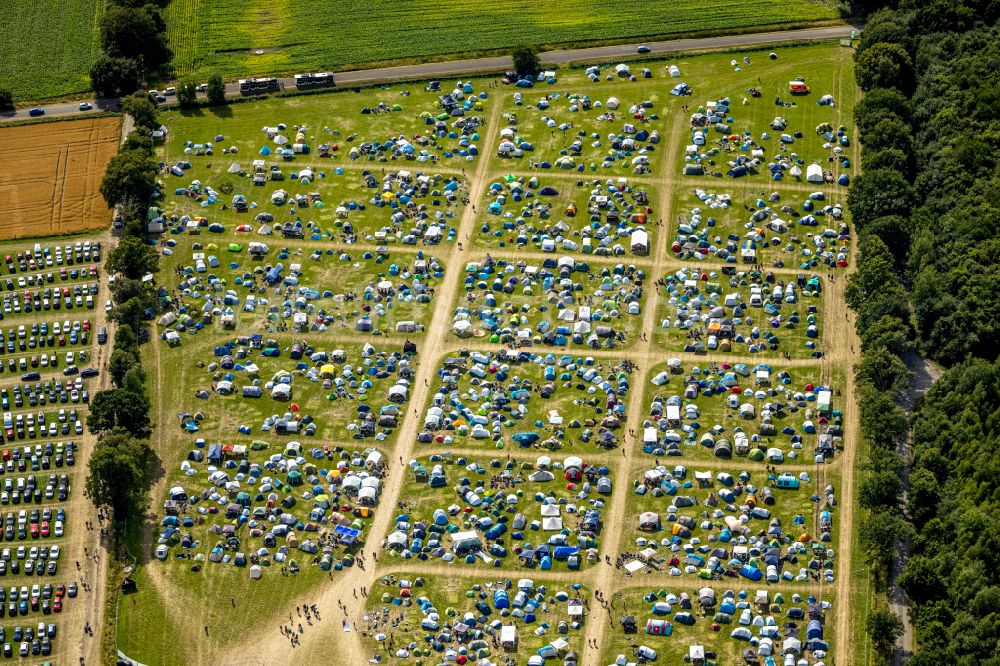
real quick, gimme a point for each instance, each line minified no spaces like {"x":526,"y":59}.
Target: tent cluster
{"x":720,"y":526}
{"x":354,"y":380}
{"x":497,"y":613}
{"x":258,"y":514}
{"x":483,"y":396}
{"x":696,"y":237}
{"x":503,"y":504}
{"x":749,"y":315}
{"x":713,"y":136}
{"x":305,"y":307}
{"x":777,"y":631}
{"x":545,"y":304}
{"x":628,"y":141}
{"x":764,"y":402}
{"x":614,"y":223}
{"x":417,"y":208}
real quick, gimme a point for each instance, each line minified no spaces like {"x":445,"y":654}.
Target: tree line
{"x":120,"y":467}
{"x":926,"y":214}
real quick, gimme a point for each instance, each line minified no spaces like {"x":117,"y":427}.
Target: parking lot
{"x":52,"y":328}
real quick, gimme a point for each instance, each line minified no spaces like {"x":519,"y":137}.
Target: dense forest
{"x":927,"y":214}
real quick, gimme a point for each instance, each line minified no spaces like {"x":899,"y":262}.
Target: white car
{"x":86,"y":106}
{"x":107,"y":305}
{"x":58,"y":531}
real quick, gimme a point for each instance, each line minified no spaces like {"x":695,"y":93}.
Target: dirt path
{"x":925,"y":373}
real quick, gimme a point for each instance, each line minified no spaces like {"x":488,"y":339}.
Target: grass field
{"x":709,"y":511}
{"x":714,"y":636}
{"x":454,"y":598}
{"x":566,"y":413}
{"x":511,"y":302}
{"x":50,"y":175}
{"x":589,"y":214}
{"x":47,"y":46}
{"x":712,"y":411}
{"x":341,"y":287}
{"x":704,"y":227}
{"x":234,"y":39}
{"x":684,"y":315}
{"x":502,"y":490}
{"x":480,"y":411}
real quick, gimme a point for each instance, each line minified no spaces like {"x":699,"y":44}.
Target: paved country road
{"x":497,"y":63}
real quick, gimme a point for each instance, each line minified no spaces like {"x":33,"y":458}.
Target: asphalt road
{"x":500,"y":63}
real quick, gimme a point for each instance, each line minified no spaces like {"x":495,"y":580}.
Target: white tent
{"x":814,"y":173}
{"x":553,"y":524}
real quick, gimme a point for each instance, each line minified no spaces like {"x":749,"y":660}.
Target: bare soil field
{"x":50,"y":174}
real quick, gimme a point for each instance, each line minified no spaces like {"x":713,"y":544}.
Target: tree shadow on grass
{"x":223,"y":111}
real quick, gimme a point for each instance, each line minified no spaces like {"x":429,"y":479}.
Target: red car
{"x":57,"y":605}
{"x":6,"y":455}
{"x":45,"y":528}
{"x":86,"y":324}
{"x":34,"y":531}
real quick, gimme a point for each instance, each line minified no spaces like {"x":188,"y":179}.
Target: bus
{"x":259,"y":86}
{"x":317,"y":80}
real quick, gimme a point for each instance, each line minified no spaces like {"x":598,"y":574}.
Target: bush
{"x":6,"y":100}
{"x":130,"y":176}
{"x":187,"y":95}
{"x":526,"y":60}
{"x":884,"y":66}
{"x":142,"y":109}
{"x":114,"y":77}
{"x":216,"y":90}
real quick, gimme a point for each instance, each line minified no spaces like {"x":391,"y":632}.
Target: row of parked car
{"x":33,"y":425}
{"x":40,"y":257}
{"x":33,"y":641}
{"x":40,"y":279}
{"x":13,"y":340}
{"x":40,"y":393}
{"x":34,"y":524}
{"x":45,"y":360}
{"x":19,"y":459}
{"x":27,"y":487}
{"x":49,"y":298}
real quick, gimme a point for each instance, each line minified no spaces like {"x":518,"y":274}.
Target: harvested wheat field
{"x":50,"y":174}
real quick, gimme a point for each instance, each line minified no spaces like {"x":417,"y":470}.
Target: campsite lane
{"x":499,"y":63}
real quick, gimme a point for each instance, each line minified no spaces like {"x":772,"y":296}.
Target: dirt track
{"x":50,"y":175}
